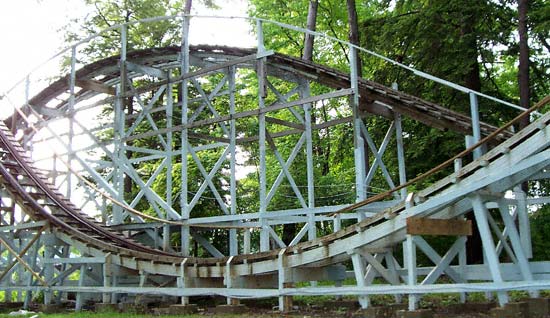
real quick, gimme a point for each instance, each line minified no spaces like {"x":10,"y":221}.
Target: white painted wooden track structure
{"x":174,"y":108}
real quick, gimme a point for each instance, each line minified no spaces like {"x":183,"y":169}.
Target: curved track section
{"x":514,"y":161}
{"x":379,"y":99}
{"x":168,"y":104}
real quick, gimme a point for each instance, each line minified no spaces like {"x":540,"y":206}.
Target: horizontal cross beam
{"x":447,"y":227}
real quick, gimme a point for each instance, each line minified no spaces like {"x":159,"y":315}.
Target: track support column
{"x":80,"y":295}
{"x":358,"y":141}
{"x":409,"y":259}
{"x":285,"y":302}
{"x":184,"y":202}
{"x":233,"y":240}
{"x":48,"y":271}
{"x":515,"y":239}
{"x":229,"y":282}
{"x":480,"y":213}
{"x":312,"y":230}
{"x":107,"y":273}
{"x":182,"y":282}
{"x":359,"y":270}
{"x":262,"y":93}
{"x":523,"y":222}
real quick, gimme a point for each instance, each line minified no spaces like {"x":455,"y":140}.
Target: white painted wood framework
{"x":184,"y":144}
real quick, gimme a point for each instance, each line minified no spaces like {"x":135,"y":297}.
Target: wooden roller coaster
{"x":45,"y":237}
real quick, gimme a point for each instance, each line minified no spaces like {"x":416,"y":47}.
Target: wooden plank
{"x":95,"y":86}
{"x":75,"y":260}
{"x":147,"y":70}
{"x":284,"y":123}
{"x":426,"y":226}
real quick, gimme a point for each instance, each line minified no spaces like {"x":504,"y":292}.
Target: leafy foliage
{"x":540,"y":231}
{"x":142,"y":35}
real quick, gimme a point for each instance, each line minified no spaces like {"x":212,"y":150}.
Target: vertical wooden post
{"x":480,"y":212}
{"x":107,"y":273}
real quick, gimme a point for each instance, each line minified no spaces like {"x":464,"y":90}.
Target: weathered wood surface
{"x":383,"y":100}
{"x":427,"y":226}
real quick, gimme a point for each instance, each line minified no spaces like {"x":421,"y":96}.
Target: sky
{"x":30,"y":31}
{"x":29,"y":34}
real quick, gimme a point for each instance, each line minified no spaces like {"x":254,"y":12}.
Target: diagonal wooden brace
{"x":21,"y":260}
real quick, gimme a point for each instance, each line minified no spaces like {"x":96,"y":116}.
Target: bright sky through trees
{"x":30,"y":31}
{"x":30,"y":34}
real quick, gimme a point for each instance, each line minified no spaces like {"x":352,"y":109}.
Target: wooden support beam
{"x":147,"y":70}
{"x":426,"y":226}
{"x":22,"y":262}
{"x":244,"y":114}
{"x":23,"y":251}
{"x":95,"y":86}
{"x":218,"y":67}
{"x":284,"y":123}
{"x":298,"y":131}
{"x":23,"y":226}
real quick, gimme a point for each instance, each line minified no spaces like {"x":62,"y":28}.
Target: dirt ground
{"x":266,"y":308}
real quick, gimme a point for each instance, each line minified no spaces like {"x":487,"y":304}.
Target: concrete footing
{"x":511,"y":310}
{"x":470,"y":308}
{"x":538,"y":307}
{"x":229,"y":309}
{"x":51,"y":308}
{"x":530,"y":308}
{"x":338,"y":304}
{"x":11,"y":305}
{"x":132,"y":308}
{"x":183,"y":309}
{"x":103,"y":307}
{"x":420,"y":313}
{"x":389,"y":311}
{"x":161,"y":311}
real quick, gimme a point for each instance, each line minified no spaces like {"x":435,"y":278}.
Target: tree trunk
{"x":523,"y":75}
{"x":311,"y":25}
{"x":523,"y":71}
{"x":128,"y":183}
{"x":354,"y":31}
{"x":289,"y":232}
{"x":187,"y":8}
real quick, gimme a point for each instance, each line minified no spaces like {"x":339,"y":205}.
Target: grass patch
{"x":90,"y":314}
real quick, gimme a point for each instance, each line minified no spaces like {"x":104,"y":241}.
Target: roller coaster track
{"x":381,"y":100}
{"x":512,"y":162}
{"x":513,"y":159}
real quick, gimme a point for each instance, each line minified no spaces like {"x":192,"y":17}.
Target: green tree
{"x":474,"y":44}
{"x":107,"y":14}
{"x":540,"y":231}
